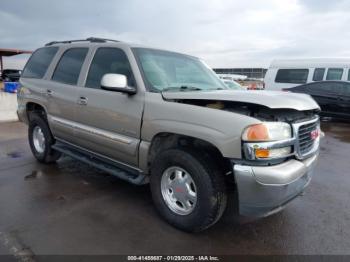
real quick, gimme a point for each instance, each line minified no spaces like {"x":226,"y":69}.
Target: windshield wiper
{"x":182,"y":88}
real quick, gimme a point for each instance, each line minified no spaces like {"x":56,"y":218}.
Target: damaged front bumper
{"x":264,"y":190}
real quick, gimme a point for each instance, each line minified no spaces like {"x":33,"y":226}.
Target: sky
{"x":225,"y":33}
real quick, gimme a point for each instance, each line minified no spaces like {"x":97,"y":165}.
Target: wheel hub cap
{"x":179,"y":190}
{"x":38,"y":139}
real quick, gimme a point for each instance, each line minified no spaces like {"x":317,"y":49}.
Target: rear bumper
{"x":264,"y":190}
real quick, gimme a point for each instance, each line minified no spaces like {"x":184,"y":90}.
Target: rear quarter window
{"x":38,"y":63}
{"x":294,"y":76}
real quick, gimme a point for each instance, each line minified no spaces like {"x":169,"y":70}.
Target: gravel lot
{"x":70,"y":208}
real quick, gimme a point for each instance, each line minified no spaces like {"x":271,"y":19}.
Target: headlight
{"x":268,"y":131}
{"x":267,"y":140}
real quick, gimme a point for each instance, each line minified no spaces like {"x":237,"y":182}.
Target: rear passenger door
{"x":109,"y":121}
{"x":62,"y":94}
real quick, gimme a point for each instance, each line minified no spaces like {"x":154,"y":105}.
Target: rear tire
{"x":204,"y":194}
{"x":41,"y":140}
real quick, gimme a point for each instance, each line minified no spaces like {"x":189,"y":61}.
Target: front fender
{"x":220,"y":128}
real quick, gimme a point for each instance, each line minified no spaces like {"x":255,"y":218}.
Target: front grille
{"x":305,"y":138}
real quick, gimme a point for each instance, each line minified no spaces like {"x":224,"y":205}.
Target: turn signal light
{"x":262,"y":153}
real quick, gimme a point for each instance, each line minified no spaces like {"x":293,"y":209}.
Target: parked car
{"x":233,"y":85}
{"x":164,"y":118}
{"x":10,"y":75}
{"x":292,"y":72}
{"x":332,"y":96}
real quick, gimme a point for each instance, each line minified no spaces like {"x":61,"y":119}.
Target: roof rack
{"x":90,"y":39}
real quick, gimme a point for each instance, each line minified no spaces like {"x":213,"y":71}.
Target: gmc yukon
{"x":164,"y":118}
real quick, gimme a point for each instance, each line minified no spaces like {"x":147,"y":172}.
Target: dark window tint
{"x":39,"y":62}
{"x":295,"y":76}
{"x":349,"y":75}
{"x":325,"y":87}
{"x":108,"y":60}
{"x":318,"y":74}
{"x":345,"y":89}
{"x":68,"y":68}
{"x":329,"y":87}
{"x":334,"y":74}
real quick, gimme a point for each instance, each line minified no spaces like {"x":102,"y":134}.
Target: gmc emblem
{"x":314,"y":134}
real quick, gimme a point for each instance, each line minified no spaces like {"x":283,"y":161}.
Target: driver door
{"x":109,"y":121}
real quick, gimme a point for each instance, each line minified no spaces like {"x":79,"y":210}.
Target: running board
{"x":125,"y":173}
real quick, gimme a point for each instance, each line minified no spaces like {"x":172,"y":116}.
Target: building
{"x":10,"y":52}
{"x":249,"y":72}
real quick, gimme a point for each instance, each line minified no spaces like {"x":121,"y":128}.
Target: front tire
{"x":188,"y":189}
{"x":41,"y":140}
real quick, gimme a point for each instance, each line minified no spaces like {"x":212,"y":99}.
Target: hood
{"x":271,"y":99}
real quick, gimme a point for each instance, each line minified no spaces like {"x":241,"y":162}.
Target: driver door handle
{"x":82,"y":101}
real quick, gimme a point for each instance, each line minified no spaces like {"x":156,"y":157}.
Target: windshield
{"x":166,"y":71}
{"x":233,"y":85}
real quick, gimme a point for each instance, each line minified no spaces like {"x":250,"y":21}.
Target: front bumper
{"x":264,"y":190}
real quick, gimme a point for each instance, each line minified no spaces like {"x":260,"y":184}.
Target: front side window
{"x":68,"y":68}
{"x":39,"y":62}
{"x":109,"y":60}
{"x":294,"y":76}
{"x":164,"y":70}
{"x":334,"y":74}
{"x":318,"y":74}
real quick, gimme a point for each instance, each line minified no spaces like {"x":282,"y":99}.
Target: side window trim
{"x":53,"y":64}
{"x":59,"y":58}
{"x":86,"y":66}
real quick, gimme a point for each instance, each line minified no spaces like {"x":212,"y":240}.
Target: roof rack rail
{"x":90,"y":39}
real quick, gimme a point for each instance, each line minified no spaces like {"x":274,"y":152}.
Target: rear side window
{"x":349,"y":75}
{"x":320,"y":87}
{"x":318,"y":74}
{"x":68,"y":68}
{"x":345,"y":89}
{"x":39,"y":62}
{"x":329,"y":87}
{"x":334,"y":74}
{"x":295,"y":76}
{"x":108,"y":60}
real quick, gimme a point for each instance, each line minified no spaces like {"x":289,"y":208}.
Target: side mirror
{"x":118,"y":83}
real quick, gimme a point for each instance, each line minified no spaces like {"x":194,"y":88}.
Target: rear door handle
{"x":82,"y":101}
